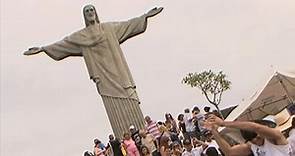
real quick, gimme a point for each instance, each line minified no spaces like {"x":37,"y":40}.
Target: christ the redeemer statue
{"x":99,"y":44}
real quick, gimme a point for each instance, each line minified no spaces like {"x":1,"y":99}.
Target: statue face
{"x":89,"y":13}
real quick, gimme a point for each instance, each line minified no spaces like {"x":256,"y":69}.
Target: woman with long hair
{"x":171,"y":120}
{"x":164,"y":146}
{"x":145,"y":151}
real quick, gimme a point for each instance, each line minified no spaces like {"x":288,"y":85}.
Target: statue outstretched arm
{"x":58,"y":50}
{"x":127,"y":29}
{"x":33,"y":51}
{"x":154,"y":12}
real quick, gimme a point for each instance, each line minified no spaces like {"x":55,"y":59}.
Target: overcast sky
{"x":51,"y":108}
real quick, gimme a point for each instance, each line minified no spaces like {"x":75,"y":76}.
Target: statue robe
{"x":99,"y":44}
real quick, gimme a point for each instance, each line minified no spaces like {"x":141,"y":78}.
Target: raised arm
{"x":227,"y":149}
{"x":272,"y":134}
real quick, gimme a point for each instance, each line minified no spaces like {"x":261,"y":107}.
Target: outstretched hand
{"x":213,"y":122}
{"x":154,"y":11}
{"x":215,"y":119}
{"x":32,"y":51}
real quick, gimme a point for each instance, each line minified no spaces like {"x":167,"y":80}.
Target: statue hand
{"x":154,"y":12}
{"x":34,"y":50}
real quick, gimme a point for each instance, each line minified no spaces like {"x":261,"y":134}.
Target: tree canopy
{"x":211,"y":84}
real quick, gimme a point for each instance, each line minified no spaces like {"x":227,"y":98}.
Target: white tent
{"x":278,"y":93}
{"x":275,"y":95}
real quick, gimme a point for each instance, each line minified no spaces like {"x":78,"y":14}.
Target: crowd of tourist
{"x":194,"y":133}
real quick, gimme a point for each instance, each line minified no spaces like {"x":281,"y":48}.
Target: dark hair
{"x":186,"y":110}
{"x":96,"y":141}
{"x":211,"y":151}
{"x":164,"y":141}
{"x":111,"y":136}
{"x":293,"y":123}
{"x":160,"y":123}
{"x":142,"y":147}
{"x":174,"y":144}
{"x":206,"y":109}
{"x":249,"y":135}
{"x":196,"y":109}
{"x":168,"y":116}
{"x":179,"y":116}
{"x":87,"y":153}
{"x":187,"y":141}
{"x":126,"y":133}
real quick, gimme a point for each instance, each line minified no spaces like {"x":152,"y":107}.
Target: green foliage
{"x":211,"y":84}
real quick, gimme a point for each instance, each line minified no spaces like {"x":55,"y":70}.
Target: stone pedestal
{"x":122,"y":113}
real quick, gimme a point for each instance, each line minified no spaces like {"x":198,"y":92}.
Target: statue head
{"x":90,"y":15}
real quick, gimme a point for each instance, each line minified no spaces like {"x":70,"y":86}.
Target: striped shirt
{"x":152,"y":128}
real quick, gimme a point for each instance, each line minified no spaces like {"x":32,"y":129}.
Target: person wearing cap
{"x":190,"y":150}
{"x":135,"y":136}
{"x":261,"y":140}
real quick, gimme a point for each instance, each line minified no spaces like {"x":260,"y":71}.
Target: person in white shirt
{"x":189,"y":124}
{"x":261,"y":139}
{"x":189,"y":150}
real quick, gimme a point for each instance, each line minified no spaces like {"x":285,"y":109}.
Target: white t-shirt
{"x":291,"y":141}
{"x":194,"y":152}
{"x":189,"y":125}
{"x":200,"y":117}
{"x":269,"y":149}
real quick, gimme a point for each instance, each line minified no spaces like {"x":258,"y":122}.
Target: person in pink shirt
{"x":130,"y":145}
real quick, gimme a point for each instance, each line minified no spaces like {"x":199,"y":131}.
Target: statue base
{"x":122,"y":113}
